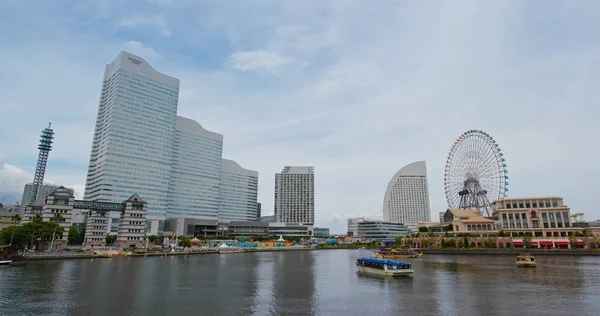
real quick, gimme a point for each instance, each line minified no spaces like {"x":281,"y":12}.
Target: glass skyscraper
{"x":133,"y":138}
{"x":239,"y":191}
{"x":141,"y":146}
{"x":196,"y":170}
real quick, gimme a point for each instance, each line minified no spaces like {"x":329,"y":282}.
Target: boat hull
{"x":5,"y":262}
{"x":392,"y":273}
{"x":525,"y":264}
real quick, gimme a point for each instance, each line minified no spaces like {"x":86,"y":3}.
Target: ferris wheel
{"x":475,"y":173}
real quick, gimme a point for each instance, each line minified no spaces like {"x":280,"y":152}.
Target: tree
{"x":573,"y":241}
{"x":449,"y":228}
{"x":527,"y":238}
{"x":37,"y":219}
{"x":110,"y":239}
{"x":56,"y":219}
{"x":430,"y":234}
{"x":423,"y":229}
{"x":184,"y":242}
{"x":75,"y":238}
{"x":153,"y":238}
{"x":16,"y":219}
{"x":502,"y":233}
{"x":399,"y":240}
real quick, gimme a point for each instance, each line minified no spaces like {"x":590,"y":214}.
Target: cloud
{"x":356,"y":100}
{"x":146,"y":21}
{"x":138,"y":48}
{"x":258,"y":60}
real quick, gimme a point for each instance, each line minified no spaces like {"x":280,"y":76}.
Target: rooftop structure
{"x":45,"y":146}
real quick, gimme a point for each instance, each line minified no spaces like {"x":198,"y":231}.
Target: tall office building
{"x":42,"y":192}
{"x":295,"y":195}
{"x":407,"y":198}
{"x":141,"y":146}
{"x":134,"y":135}
{"x":258,"y":211}
{"x":194,"y":185}
{"x":239,"y":192}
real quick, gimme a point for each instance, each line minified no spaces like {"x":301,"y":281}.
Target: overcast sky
{"x":357,"y":89}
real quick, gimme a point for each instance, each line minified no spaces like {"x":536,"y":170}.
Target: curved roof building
{"x":407,"y":197}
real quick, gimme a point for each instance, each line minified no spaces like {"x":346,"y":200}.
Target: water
{"x":300,"y":283}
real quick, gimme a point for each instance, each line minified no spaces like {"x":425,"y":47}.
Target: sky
{"x":357,"y":89}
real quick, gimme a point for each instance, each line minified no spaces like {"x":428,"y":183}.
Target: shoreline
{"x":68,"y":256}
{"x":542,"y":252}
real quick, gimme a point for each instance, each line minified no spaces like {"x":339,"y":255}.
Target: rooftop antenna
{"x":45,"y":147}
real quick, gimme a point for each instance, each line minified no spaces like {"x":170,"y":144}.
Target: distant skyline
{"x":355,"y":89}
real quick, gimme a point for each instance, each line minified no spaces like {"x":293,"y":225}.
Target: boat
{"x":384,"y":267}
{"x":526,"y":261}
{"x":4,"y":261}
{"x":394,"y":253}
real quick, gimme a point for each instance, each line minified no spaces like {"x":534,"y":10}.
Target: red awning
{"x":562,"y":243}
{"x":546,"y":243}
{"x":580,"y":243}
{"x":517,"y":243}
{"x":534,"y":243}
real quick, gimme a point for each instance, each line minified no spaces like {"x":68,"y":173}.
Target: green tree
{"x":153,"y":238}
{"x":37,"y":218}
{"x":573,"y":241}
{"x":449,"y":228}
{"x":502,"y":233}
{"x":57,"y":218}
{"x":527,"y":238}
{"x":430,"y":234}
{"x":184,"y":242}
{"x":399,"y":240}
{"x":16,"y":219}
{"x":423,"y":229}
{"x":74,"y":236}
{"x":111,"y":239}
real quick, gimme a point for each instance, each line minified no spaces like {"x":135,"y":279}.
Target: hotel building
{"x":295,"y":195}
{"x":406,"y":198}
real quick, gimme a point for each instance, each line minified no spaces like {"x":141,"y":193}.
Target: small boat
{"x":397,"y":254}
{"x":526,"y":261}
{"x":4,"y":262}
{"x":384,"y":267}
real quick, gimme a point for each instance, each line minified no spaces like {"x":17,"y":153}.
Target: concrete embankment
{"x":514,"y":252}
{"x":112,"y":254}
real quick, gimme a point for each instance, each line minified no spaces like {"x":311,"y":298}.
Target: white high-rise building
{"x":142,"y":147}
{"x":196,"y":172}
{"x":407,"y":197}
{"x":239,"y":193}
{"x":295,"y":195}
{"x":134,"y":135}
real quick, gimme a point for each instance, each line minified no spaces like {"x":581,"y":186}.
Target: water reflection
{"x":300,"y":283}
{"x":294,"y":283}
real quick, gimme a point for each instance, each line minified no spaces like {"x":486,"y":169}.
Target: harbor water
{"x":323,"y":282}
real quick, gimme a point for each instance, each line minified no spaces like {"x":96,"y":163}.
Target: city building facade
{"x":133,"y":137}
{"x":132,"y":224}
{"x":141,"y":145}
{"x":376,"y":229}
{"x":295,"y":195}
{"x":406,"y":198}
{"x":42,"y":191}
{"x":258,"y":210}
{"x":540,"y":216}
{"x":321,"y":232}
{"x":239,"y":192}
{"x":194,"y":182}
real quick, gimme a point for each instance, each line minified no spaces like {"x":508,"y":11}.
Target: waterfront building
{"x":459,"y":214}
{"x":406,"y":198}
{"x":248,"y":228}
{"x":134,"y":135}
{"x":6,"y":214}
{"x":96,"y":228}
{"x":42,"y":192}
{"x":376,"y":229}
{"x":193,"y":227}
{"x":295,"y":195}
{"x":239,"y":192}
{"x":132,"y":224}
{"x":141,"y":145}
{"x":321,"y":232}
{"x":540,"y":216}
{"x":194,"y":181}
